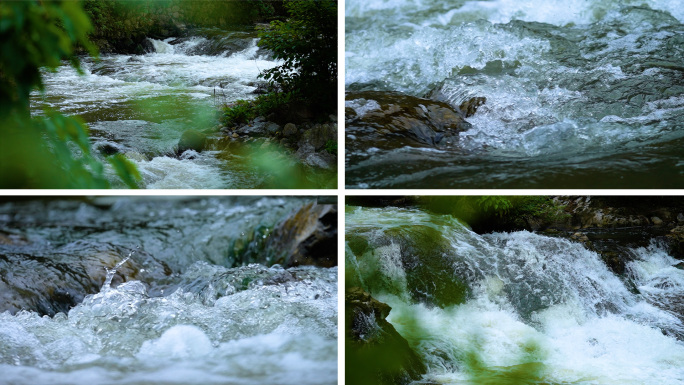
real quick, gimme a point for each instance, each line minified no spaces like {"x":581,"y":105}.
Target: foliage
{"x":542,"y":208}
{"x":242,"y":111}
{"x":499,"y":205}
{"x":51,"y":151}
{"x":307,"y":43}
{"x":497,"y":213}
{"x":331,"y":146}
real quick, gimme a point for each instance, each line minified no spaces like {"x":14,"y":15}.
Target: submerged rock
{"x":54,"y":282}
{"x":191,"y":140}
{"x":376,"y":353}
{"x":387,"y":120}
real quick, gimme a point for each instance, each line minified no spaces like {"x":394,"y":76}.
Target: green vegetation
{"x":331,"y":146}
{"x":122,"y":26}
{"x":243,"y":111}
{"x":498,"y":213}
{"x":51,"y":151}
{"x":307,"y":44}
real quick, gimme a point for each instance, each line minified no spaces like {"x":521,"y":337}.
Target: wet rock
{"x":377,"y":353}
{"x":191,"y":140}
{"x":309,"y":237}
{"x":321,"y":160}
{"x":289,"y":130}
{"x":431,"y":276}
{"x":470,"y":106}
{"x":388,"y":120}
{"x":318,"y":135}
{"x":108,"y":148}
{"x":55,"y":282}
{"x":675,"y":240}
{"x":258,"y":128}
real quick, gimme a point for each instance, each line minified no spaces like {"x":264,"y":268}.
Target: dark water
{"x":169,"y":291}
{"x":580,"y":94}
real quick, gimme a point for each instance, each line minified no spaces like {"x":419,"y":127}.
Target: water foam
{"x":544,"y":309}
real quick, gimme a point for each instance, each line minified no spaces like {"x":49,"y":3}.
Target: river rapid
{"x":518,"y":308}
{"x":580,"y":93}
{"x":163,"y":291}
{"x":139,"y":105}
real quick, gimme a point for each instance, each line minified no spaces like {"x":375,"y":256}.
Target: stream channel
{"x":518,"y":308}
{"x":580,"y":93}
{"x":166,"y":291}
{"x":140,"y":105}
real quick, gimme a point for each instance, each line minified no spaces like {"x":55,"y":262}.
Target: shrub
{"x":51,"y":151}
{"x":307,"y":43}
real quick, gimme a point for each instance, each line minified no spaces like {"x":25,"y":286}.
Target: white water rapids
{"x":159,"y":291}
{"x":539,"y":310}
{"x":139,"y":105}
{"x":580,"y":93}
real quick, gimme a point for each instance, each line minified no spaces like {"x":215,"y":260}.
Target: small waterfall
{"x":162,"y":46}
{"x":488,"y":308}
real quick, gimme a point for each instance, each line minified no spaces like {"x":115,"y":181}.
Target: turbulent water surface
{"x":176,"y":291}
{"x":139,"y":105}
{"x":580,"y":93}
{"x":518,"y":308}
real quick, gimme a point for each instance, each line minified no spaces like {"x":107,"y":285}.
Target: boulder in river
{"x":375,"y":352}
{"x":54,"y":282}
{"x":388,"y":120}
{"x":191,"y":140}
{"x":309,"y":237}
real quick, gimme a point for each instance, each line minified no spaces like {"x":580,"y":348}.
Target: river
{"x":139,"y":105}
{"x":165,"y":291}
{"x":519,"y":307}
{"x":580,"y":93}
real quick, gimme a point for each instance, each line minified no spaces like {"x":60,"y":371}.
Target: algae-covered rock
{"x":388,"y":120}
{"x":414,"y":262}
{"x":375,"y":352}
{"x":191,"y":140}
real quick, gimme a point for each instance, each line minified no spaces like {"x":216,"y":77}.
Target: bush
{"x":51,"y":151}
{"x":243,"y":111}
{"x":307,"y":43}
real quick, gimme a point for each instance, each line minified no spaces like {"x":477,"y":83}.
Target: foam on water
{"x":266,"y":333}
{"x":583,"y":80}
{"x":542,"y":308}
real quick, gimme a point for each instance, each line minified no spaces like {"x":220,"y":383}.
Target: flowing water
{"x":139,"y":105}
{"x":164,"y":291}
{"x":518,"y":308}
{"x":580,"y":93}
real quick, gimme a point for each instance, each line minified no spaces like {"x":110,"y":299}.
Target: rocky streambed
{"x":159,"y":108}
{"x":168,"y":290}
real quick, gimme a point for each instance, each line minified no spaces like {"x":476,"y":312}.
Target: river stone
{"x":308,"y":237}
{"x":53,"y":282}
{"x":258,"y":129}
{"x":318,"y":135}
{"x":191,"y":140}
{"x":376,"y":351}
{"x":388,"y":120}
{"x":289,"y":129}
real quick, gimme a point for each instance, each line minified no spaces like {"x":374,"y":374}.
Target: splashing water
{"x":534,"y":309}
{"x":175,"y":308}
{"x":579,"y":93}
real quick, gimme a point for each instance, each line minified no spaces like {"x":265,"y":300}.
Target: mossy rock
{"x":375,"y":352}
